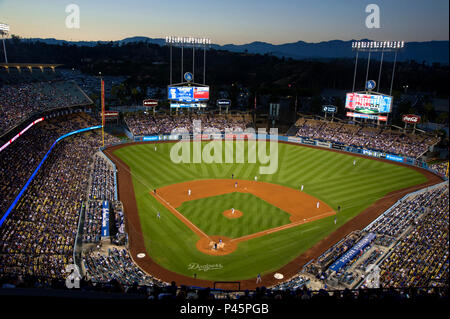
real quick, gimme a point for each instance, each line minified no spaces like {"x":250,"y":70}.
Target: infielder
{"x":189,"y":192}
{"x":301,"y":188}
{"x":232,"y":211}
{"x":318,"y":204}
{"x":235,"y":185}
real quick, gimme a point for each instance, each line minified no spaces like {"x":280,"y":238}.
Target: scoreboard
{"x":188,"y":93}
{"x":368,"y":103}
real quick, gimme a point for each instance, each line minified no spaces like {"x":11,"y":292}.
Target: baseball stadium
{"x":194,"y":193}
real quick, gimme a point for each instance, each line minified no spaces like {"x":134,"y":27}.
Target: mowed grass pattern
{"x":258,"y":215}
{"x":329,"y":176}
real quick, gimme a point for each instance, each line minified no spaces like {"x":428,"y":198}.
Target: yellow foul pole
{"x":103,"y":111}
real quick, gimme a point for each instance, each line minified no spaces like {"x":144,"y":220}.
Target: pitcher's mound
{"x":229,"y":213}
{"x":216,"y":245}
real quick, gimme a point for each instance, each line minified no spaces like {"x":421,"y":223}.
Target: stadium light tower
{"x":188,"y":42}
{"x":376,"y":46}
{"x":4,"y":31}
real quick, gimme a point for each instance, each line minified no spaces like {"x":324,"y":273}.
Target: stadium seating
{"x":18,"y":102}
{"x":387,"y":140}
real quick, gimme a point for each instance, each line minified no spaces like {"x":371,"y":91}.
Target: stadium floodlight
{"x":199,"y":42}
{"x":377,"y":45}
{"x":4,"y":30}
{"x":187,"y":40}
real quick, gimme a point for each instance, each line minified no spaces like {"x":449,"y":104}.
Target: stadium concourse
{"x":58,"y":219}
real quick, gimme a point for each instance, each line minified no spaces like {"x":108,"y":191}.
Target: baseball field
{"x":231,"y":226}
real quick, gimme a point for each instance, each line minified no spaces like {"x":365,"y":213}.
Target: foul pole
{"x":103,"y":110}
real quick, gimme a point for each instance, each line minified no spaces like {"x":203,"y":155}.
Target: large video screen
{"x":188,"y":93}
{"x":368,"y":103}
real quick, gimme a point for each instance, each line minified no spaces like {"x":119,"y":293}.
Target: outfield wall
{"x":292,"y":139}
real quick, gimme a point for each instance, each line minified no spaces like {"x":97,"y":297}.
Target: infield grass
{"x":329,"y":176}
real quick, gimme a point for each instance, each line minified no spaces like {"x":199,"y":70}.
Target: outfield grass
{"x":329,"y":176}
{"x":206,"y":213}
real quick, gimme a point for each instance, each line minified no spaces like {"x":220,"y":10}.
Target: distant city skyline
{"x":232,"y":21}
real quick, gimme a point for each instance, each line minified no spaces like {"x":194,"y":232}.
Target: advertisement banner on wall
{"x":150,"y":138}
{"x":394,"y":158}
{"x":240,"y":136}
{"x":338,"y":146}
{"x":323,"y":144}
{"x":308,"y":141}
{"x":374,"y":153}
{"x":294,"y":139}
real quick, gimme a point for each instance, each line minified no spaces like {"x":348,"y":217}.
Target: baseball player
{"x":232,"y":211}
{"x":158,"y":215}
{"x":235,"y":185}
{"x":318,"y":204}
{"x":189,"y":192}
{"x":335,"y":220}
{"x":301,"y":188}
{"x":155,"y":148}
{"x":258,"y":278}
{"x":354,"y":162}
{"x":256,"y":178}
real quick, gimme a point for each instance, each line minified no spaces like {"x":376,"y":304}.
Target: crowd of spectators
{"x":394,"y":222}
{"x":411,"y":243}
{"x":421,"y":259}
{"x":18,"y":102}
{"x":173,"y":292}
{"x":102,"y":185}
{"x":117,"y":265}
{"x":375,"y":138}
{"x":140,"y":123}
{"x":38,"y":236}
{"x":441,"y":168}
{"x":20,"y":159}
{"x":92,"y":222}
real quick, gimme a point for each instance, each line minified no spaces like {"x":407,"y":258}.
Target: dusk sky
{"x":230,"y":21}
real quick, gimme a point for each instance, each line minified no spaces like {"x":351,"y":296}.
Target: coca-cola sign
{"x":409,"y":118}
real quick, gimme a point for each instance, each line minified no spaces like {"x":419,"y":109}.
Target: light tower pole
{"x":4,"y":31}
